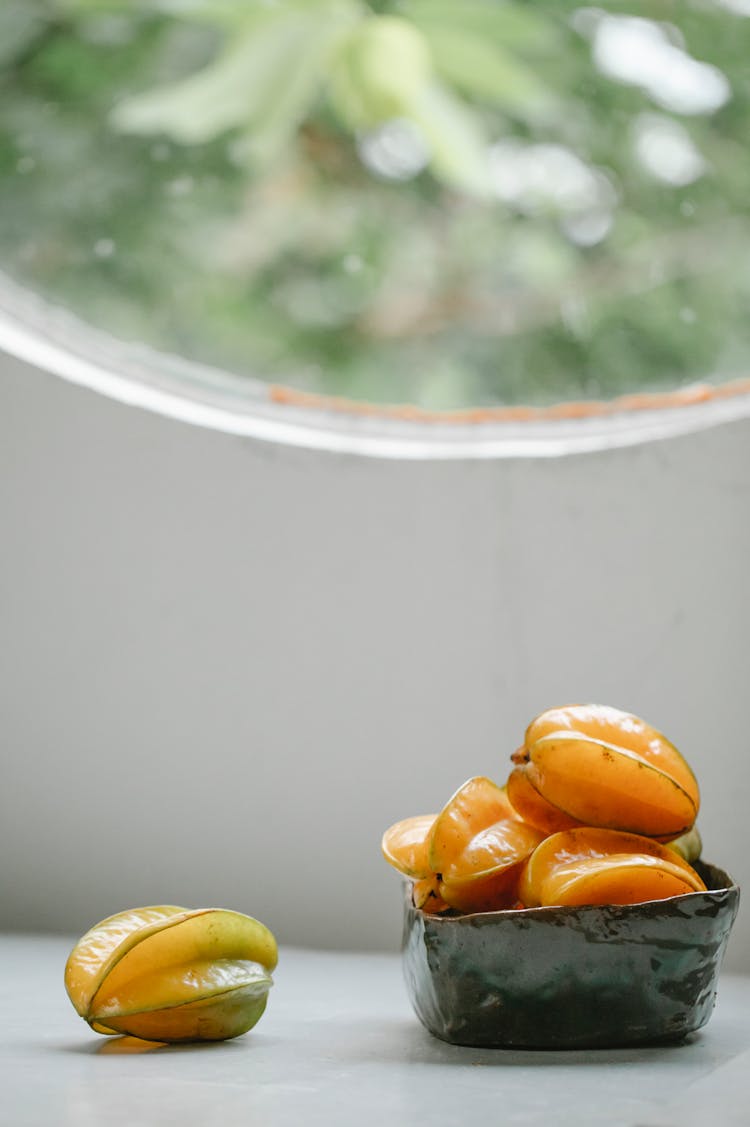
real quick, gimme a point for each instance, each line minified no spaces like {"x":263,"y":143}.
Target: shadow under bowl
{"x":565,"y":978}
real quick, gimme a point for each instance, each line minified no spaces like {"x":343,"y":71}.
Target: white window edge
{"x":53,"y":341}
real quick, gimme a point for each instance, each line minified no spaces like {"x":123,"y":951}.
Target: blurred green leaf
{"x":265,"y":78}
{"x":289,"y":94}
{"x":515,"y":26}
{"x":484,"y":70}
{"x":21,"y":21}
{"x":227,"y":13}
{"x":458,"y":148}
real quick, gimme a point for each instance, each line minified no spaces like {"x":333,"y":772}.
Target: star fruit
{"x":591,"y":865}
{"x":169,"y":974}
{"x":592,"y":765}
{"x":469,"y":856}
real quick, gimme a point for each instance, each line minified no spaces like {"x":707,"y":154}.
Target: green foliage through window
{"x":444,"y":202}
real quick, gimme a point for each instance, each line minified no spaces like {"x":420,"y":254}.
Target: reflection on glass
{"x":451,"y":203}
{"x":642,"y":53}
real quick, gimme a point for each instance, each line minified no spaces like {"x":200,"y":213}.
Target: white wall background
{"x":226,"y":666}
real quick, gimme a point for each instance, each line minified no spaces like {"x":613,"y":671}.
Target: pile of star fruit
{"x":599,"y":808}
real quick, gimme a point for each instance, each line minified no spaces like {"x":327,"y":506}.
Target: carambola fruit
{"x":596,"y":766}
{"x":591,"y":865}
{"x":168,"y":974}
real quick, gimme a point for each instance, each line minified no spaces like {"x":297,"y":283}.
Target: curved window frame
{"x":53,"y":340}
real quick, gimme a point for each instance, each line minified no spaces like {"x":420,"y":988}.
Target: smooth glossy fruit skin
{"x":478,"y":832}
{"x":492,"y":850}
{"x":477,"y":846}
{"x":600,"y":784}
{"x":611,"y":725}
{"x":405,"y":845}
{"x":206,"y":1019}
{"x":591,"y":865}
{"x":490,"y":892}
{"x":621,"y":730}
{"x":169,"y":974}
{"x":529,"y":804}
{"x":104,"y":945}
{"x":475,"y":806}
{"x":689,"y":845}
{"x":599,"y":766}
{"x":634,"y":879}
{"x":485,"y":875}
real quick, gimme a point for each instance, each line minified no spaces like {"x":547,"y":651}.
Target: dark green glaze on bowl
{"x":562,"y":978}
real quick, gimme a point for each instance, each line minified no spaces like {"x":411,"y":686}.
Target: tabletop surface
{"x":339,"y":1044}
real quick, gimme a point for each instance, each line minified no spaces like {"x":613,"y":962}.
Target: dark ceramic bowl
{"x":564,"y":978}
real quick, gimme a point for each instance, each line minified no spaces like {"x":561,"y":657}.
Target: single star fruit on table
{"x":171,"y":974}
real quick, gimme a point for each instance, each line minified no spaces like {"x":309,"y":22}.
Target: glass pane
{"x":448,"y":203}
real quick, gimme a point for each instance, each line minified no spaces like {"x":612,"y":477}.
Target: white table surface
{"x":339,"y":1045}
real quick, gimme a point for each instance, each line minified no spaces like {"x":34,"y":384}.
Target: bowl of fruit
{"x":570,"y":907}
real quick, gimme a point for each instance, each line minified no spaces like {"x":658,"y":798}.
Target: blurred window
{"x":448,"y":203}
